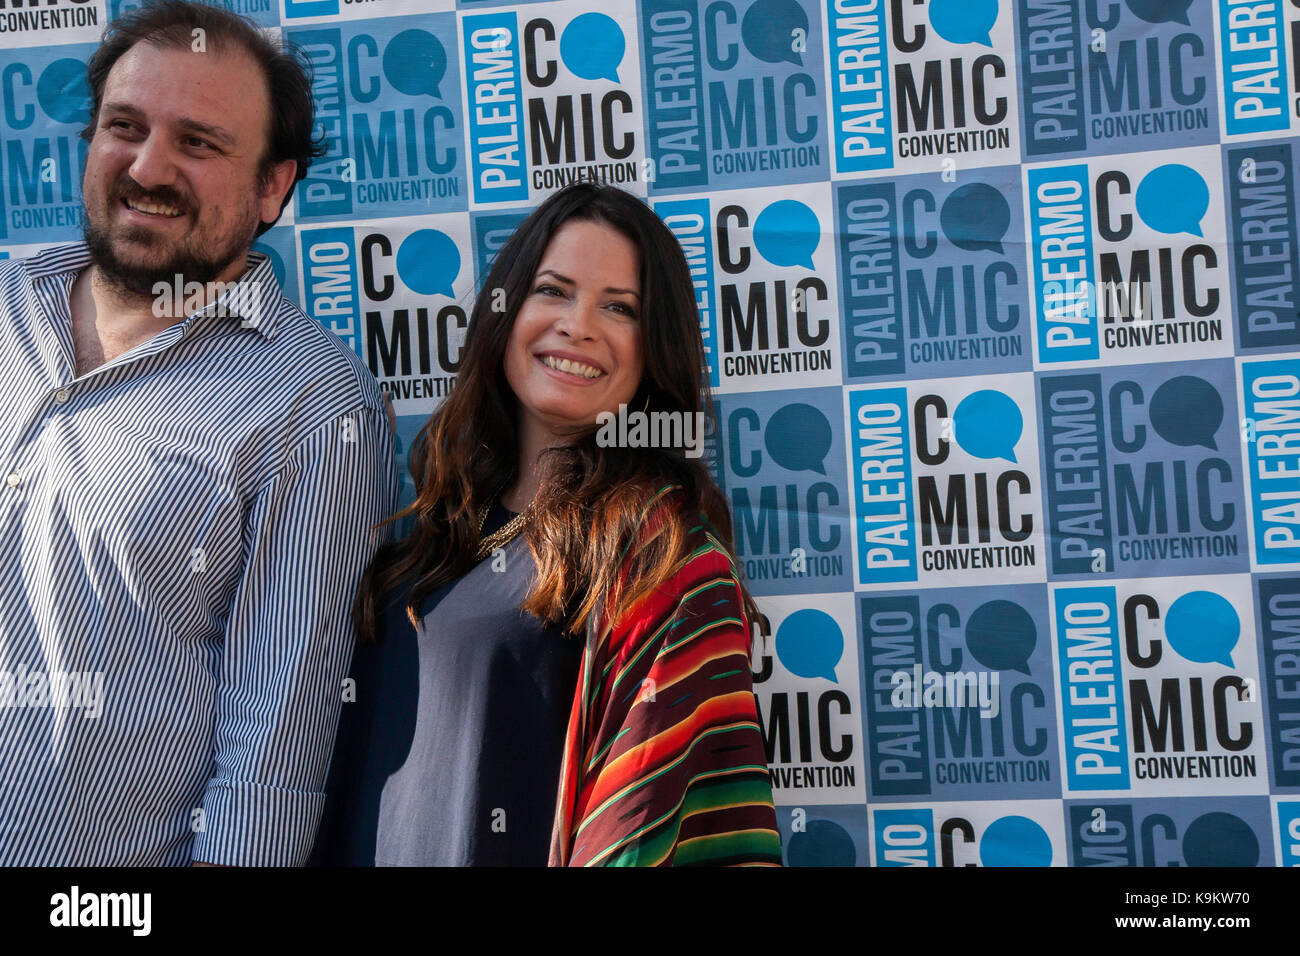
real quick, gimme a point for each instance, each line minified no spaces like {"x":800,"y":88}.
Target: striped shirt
{"x":181,"y":533}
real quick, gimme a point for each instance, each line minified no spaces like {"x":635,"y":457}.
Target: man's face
{"x":171,"y":184}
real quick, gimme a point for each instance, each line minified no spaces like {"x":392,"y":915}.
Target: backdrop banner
{"x":1000,"y":306}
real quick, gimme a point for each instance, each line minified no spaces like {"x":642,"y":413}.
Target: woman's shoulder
{"x":703,"y":546}
{"x":703,"y":581}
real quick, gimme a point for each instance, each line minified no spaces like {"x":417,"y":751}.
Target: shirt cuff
{"x":251,"y":824}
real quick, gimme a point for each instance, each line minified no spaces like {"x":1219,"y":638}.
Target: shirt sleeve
{"x":676,"y":772}
{"x":289,"y":641}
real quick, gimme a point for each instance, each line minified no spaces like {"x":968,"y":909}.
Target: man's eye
{"x":198,"y":143}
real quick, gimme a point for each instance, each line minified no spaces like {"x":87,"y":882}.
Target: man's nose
{"x":154,"y":164}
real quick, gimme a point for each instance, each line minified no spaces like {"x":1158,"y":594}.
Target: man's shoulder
{"x":19,"y":291}
{"x":314,"y":359}
{"x":311,"y":380}
{"x":13,"y":276}
{"x":50,"y":260}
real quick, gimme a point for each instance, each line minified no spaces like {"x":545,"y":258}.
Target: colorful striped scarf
{"x":664,"y":763}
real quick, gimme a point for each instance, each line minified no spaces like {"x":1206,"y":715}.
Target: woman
{"x":554,"y":665}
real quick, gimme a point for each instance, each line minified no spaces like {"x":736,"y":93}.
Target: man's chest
{"x":136,"y":479}
{"x":87,"y":350}
{"x":94,"y":345}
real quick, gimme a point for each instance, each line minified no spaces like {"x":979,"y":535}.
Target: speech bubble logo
{"x":64,"y":92}
{"x":1187,"y":410}
{"x":1220,"y":839}
{"x":975,"y":217}
{"x":809,"y":644}
{"x":1203,"y":627}
{"x":277,"y":264}
{"x":415,"y":63}
{"x":1015,"y":841}
{"x":987,"y":424}
{"x":964,"y":21}
{"x":787,"y":233}
{"x":767,"y":30}
{"x":1161,"y":11}
{"x":798,"y":437}
{"x":1001,"y":635}
{"x":592,"y":47}
{"x":822,"y":843}
{"x":428,"y":262}
{"x":1173,"y":198}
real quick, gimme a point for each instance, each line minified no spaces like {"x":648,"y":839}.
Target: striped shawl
{"x":664,"y":761}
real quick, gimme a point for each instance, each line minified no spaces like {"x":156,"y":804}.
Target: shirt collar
{"x":253,"y":299}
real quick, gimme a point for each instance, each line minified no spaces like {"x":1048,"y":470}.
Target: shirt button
{"x":13,"y":479}
{"x":61,"y":396}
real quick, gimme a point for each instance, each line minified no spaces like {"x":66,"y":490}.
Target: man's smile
{"x":149,"y":208}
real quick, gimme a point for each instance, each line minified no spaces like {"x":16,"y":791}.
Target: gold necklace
{"x":505,"y":533}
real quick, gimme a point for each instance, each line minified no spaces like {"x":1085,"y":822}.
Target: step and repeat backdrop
{"x":1001,"y":313}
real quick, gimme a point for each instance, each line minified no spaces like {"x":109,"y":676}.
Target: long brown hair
{"x":592,"y":502}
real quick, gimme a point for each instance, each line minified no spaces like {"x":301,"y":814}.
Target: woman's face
{"x":575,"y":348}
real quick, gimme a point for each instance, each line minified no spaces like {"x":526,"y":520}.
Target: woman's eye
{"x":625,"y":309}
{"x":548,"y":290}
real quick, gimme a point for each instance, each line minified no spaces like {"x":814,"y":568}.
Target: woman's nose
{"x":578,"y":321}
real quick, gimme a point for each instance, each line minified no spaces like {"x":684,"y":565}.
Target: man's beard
{"x":190,"y":263}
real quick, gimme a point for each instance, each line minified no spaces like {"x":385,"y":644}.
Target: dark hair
{"x":170,"y":23}
{"x":593,"y":500}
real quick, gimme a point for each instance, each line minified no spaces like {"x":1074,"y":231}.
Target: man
{"x":187,"y":499}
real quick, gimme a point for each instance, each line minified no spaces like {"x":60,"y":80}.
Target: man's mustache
{"x":129,"y":189}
